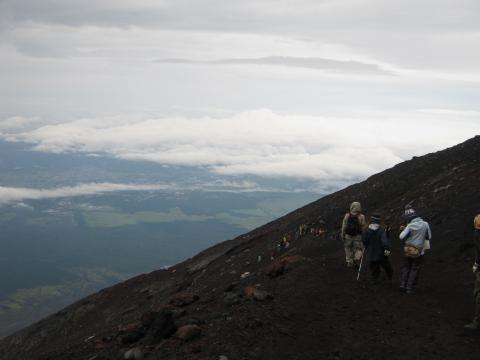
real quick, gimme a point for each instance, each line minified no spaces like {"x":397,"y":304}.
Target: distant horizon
{"x":322,"y":91}
{"x":20,"y":195}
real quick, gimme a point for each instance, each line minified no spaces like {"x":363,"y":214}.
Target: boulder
{"x":134,"y":354}
{"x":231,"y":298}
{"x":131,"y":337}
{"x":275,"y":269}
{"x":261,"y":295}
{"x":162,"y":326}
{"x":283,"y":264}
{"x":249,"y":290}
{"x":188,"y":332}
{"x":183,"y":299}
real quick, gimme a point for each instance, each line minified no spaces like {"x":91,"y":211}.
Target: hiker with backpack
{"x":377,"y":248}
{"x":416,"y":236}
{"x":352,"y":229}
{"x":475,"y":324}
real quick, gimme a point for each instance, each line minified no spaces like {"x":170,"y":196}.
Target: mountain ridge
{"x":304,"y":303}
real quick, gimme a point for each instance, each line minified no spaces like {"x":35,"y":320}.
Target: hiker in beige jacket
{"x":352,"y":228}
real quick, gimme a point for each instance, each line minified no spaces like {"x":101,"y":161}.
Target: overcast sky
{"x":319,"y":89}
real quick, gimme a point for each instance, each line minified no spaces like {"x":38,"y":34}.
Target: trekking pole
{"x":361,"y":263}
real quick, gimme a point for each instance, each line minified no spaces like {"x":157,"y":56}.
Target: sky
{"x":327,"y":90}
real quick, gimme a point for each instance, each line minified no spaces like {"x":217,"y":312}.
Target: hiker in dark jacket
{"x":475,"y":324}
{"x":415,"y":236}
{"x":377,"y":248}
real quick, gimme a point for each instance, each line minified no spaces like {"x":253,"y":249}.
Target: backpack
{"x":476,"y":222}
{"x":353,"y":226}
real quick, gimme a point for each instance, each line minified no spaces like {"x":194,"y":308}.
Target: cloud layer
{"x":262,"y":142}
{"x":319,"y":66}
{"x":344,"y":67}
{"x":14,"y":194}
{"x":19,"y":194}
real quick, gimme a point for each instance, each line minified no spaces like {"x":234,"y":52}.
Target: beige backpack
{"x":476,"y":222}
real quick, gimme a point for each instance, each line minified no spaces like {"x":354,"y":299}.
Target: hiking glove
{"x":386,"y":253}
{"x":475,"y":267}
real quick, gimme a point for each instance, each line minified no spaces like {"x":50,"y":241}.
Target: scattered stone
{"x":292,"y":259}
{"x":260,"y":295}
{"x":231,"y":286}
{"x":283,"y":264}
{"x":129,"y":310}
{"x":131,"y":337}
{"x":89,"y":338}
{"x":275,"y":269}
{"x":188,"y":332}
{"x":135,"y":354}
{"x":195,"y":321}
{"x":163,"y":326}
{"x":183,"y":299}
{"x":249,"y":290}
{"x":196,"y":348}
{"x":245,"y":275}
{"x":231,"y":298}
{"x":100,"y":344}
{"x":131,"y":327}
{"x":178,"y":313}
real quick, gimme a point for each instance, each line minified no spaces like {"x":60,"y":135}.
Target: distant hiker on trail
{"x":416,"y":236}
{"x":377,"y":248}
{"x":303,"y":229}
{"x":475,"y":324}
{"x":352,"y":228}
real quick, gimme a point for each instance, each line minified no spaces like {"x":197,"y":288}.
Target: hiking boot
{"x":409,"y":291}
{"x":471,"y":326}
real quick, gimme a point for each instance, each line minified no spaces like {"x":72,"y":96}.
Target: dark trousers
{"x":410,"y":271}
{"x":375,"y":268}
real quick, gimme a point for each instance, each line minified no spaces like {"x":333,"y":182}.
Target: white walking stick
{"x":360,"y":267}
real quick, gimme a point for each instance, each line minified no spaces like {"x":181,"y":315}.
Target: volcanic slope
{"x":233,"y":300}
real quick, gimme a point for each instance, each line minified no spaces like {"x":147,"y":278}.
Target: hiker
{"x":303,"y":229}
{"x":416,"y":236}
{"x":352,"y":228}
{"x":474,"y":325}
{"x":377,"y":248}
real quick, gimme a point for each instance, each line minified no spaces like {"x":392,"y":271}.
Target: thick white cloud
{"x":18,"y":195}
{"x":14,"y":194}
{"x":345,"y":67}
{"x":17,"y":122}
{"x":63,"y":61}
{"x":264,"y":143}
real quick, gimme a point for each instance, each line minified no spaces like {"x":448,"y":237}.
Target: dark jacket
{"x":476,"y":242}
{"x":376,"y":242}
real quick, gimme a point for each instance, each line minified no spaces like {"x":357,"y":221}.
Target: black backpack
{"x":353,"y":227}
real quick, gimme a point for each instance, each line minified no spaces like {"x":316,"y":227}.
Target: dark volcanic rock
{"x":162,"y":326}
{"x":188,"y":332}
{"x":319,"y":310}
{"x":183,"y":299}
{"x":131,"y":337}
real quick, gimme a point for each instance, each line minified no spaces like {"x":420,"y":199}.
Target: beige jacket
{"x":355,"y":209}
